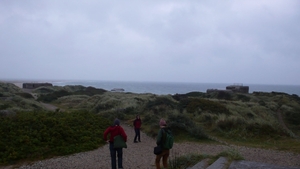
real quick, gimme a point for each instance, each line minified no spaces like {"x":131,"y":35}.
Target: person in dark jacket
{"x":161,"y":138}
{"x":115,"y":130}
{"x":137,"y":128}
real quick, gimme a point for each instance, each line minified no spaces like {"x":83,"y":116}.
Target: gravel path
{"x":140,"y":155}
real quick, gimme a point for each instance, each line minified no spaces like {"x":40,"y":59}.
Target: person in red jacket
{"x":115,"y":130}
{"x":137,"y":127}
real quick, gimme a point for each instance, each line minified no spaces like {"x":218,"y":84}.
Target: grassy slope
{"x":243,"y":119}
{"x":252,"y":119}
{"x":29,"y":132}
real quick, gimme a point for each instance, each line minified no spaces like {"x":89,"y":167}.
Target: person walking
{"x":115,"y":130}
{"x":137,"y":128}
{"x":160,"y":141}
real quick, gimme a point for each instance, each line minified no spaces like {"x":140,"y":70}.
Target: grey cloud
{"x":148,"y":40}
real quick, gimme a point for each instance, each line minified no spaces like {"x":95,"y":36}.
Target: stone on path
{"x":221,"y":163}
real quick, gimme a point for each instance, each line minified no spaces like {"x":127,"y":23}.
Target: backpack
{"x":169,"y":139}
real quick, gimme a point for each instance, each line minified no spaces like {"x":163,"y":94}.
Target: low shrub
{"x":243,"y":98}
{"x":293,"y":117}
{"x":224,"y":95}
{"x":150,"y":119}
{"x":53,"y":96}
{"x":131,"y":111}
{"x":25,"y":95}
{"x":194,"y":104}
{"x":18,"y":103}
{"x":44,"y":90}
{"x":4,"y":106}
{"x":196,"y":94}
{"x":90,"y":91}
{"x":208,"y":118}
{"x":150,"y":124}
{"x":106,"y":106}
{"x":37,"y":135}
{"x":9,"y":88}
{"x":113,"y":114}
{"x":230,"y":123}
{"x":182,"y":123}
{"x":68,"y":90}
{"x":178,"y":97}
{"x":262,"y":129}
{"x":73,"y":88}
{"x":159,"y":101}
{"x":262,"y":103}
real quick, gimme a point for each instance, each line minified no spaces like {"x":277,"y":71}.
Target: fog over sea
{"x":162,"y":88}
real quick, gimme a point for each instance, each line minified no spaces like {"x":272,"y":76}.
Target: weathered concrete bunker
{"x":35,"y":85}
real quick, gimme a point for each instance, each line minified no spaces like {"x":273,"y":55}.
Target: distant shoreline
{"x":162,"y":88}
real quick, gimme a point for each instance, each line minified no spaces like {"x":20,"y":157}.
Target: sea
{"x":165,"y":88}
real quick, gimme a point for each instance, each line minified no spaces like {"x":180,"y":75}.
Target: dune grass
{"x":241,"y":119}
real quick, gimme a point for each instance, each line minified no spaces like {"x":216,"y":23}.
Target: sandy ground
{"x":19,"y":84}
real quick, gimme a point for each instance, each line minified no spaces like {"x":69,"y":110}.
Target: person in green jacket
{"x":161,"y":137}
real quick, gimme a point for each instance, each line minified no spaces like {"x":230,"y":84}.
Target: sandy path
{"x":140,"y":155}
{"x":137,"y":155}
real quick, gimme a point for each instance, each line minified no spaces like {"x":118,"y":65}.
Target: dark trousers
{"x":113,"y":152}
{"x":137,"y":134}
{"x":164,"y":155}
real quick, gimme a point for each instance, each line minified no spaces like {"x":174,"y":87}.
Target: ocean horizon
{"x":164,"y":88}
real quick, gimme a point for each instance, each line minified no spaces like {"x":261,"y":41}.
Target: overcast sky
{"x":215,"y":41}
